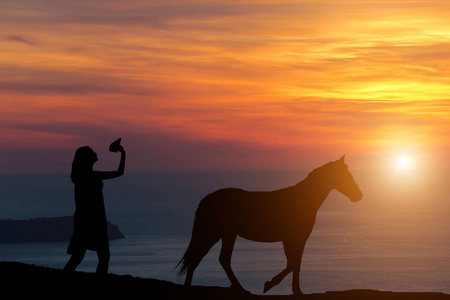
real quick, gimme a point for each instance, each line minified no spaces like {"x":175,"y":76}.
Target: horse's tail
{"x":205,"y":234}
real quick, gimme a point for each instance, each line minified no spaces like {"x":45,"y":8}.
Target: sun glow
{"x":229,"y":85}
{"x":404,"y":162}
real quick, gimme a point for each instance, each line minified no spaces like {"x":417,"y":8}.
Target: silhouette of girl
{"x":90,"y":232}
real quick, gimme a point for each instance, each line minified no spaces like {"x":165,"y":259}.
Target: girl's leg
{"x":75,"y":259}
{"x":103,"y":260}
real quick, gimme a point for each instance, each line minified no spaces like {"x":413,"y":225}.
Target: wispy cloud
{"x":20,"y":39}
{"x":260,"y":75}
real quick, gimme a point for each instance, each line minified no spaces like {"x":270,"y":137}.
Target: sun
{"x":403,"y":162}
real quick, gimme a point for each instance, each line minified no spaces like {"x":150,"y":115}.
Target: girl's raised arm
{"x":113,"y":174}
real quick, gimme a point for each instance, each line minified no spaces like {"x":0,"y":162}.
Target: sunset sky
{"x":224,"y":85}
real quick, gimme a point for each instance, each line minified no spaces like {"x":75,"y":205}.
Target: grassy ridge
{"x":23,"y":281}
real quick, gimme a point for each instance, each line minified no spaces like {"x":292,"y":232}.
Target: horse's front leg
{"x":277,"y":279}
{"x":294,"y":253}
{"x":296,"y":277}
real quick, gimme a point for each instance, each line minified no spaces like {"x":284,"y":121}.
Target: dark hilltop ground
{"x":23,"y":281}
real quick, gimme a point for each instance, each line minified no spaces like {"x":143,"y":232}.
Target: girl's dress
{"x":90,"y":229}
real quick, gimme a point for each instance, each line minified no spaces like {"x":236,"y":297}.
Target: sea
{"x":396,"y":239}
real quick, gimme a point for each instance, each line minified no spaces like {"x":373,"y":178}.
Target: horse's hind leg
{"x":199,"y":249}
{"x":225,"y":259}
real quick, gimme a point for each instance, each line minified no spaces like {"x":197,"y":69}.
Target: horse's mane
{"x":316,"y":174}
{"x":320,"y":170}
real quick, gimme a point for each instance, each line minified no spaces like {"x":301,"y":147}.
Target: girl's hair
{"x":82,"y":163}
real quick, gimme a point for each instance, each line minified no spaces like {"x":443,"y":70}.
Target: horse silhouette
{"x":287,"y":215}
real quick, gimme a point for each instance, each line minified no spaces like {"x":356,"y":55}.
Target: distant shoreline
{"x":33,"y":282}
{"x":42,"y":230}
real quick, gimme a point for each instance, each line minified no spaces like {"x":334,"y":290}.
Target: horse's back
{"x":234,"y":200}
{"x":223,"y":202}
{"x":252,"y":215}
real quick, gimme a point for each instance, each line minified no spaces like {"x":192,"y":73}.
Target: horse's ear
{"x":342,"y":159}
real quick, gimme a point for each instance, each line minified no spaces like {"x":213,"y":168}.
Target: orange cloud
{"x":306,"y":79}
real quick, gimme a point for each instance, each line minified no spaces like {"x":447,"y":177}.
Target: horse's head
{"x":343,"y":181}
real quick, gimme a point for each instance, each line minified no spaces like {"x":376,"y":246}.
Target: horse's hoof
{"x":297,"y":292}
{"x":267,"y":286}
{"x":238,"y":288}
